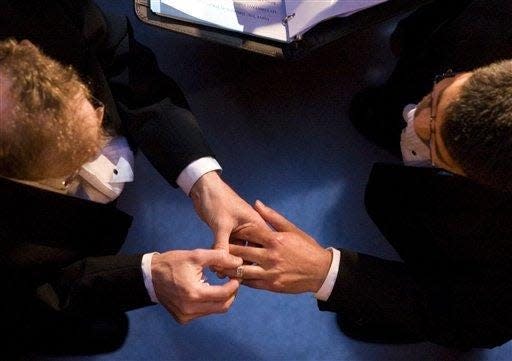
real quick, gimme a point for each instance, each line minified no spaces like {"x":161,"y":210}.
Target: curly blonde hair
{"x":41,"y":134}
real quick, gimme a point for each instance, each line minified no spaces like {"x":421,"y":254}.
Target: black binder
{"x":322,"y":34}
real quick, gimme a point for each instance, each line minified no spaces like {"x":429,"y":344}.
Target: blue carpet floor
{"x":280,"y":131}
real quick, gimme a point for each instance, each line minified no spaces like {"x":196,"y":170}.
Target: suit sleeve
{"x":153,"y":110}
{"x":375,"y":297}
{"x":98,"y":285}
{"x":383,"y":301}
{"x":168,"y":135}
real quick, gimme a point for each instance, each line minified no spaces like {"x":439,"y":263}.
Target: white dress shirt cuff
{"x":195,"y":170}
{"x":325,"y":291}
{"x":146,"y":273}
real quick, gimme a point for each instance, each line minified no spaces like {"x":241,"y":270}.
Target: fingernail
{"x":259,"y":203}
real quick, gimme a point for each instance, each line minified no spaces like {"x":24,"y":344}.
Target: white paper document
{"x":307,"y":13}
{"x":281,"y":20}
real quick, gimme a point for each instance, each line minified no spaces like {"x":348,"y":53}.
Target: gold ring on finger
{"x":240,"y":272}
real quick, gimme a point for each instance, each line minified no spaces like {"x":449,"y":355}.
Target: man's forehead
{"x":452,"y":91}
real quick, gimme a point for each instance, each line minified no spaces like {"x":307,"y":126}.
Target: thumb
{"x":276,"y":220}
{"x":222,"y":239}
{"x":219,"y":258}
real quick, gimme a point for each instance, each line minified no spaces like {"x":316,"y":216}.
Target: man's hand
{"x":222,"y":209}
{"x":180,"y":286}
{"x":290,"y":260}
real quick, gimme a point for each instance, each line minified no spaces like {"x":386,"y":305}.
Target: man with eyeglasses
{"x":66,"y":137}
{"x":447,"y":212}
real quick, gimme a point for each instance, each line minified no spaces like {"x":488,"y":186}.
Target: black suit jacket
{"x":60,"y":251}
{"x":453,"y":286}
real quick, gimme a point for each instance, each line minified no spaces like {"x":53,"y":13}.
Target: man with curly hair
{"x":66,"y":140}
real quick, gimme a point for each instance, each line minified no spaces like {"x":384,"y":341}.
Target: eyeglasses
{"x":96,"y":103}
{"x":99,"y":107}
{"x":434,"y":103}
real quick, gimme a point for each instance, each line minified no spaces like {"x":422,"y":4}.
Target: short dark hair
{"x":477,"y":129}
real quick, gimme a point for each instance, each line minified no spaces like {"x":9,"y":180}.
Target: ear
{"x":28,"y":43}
{"x":422,"y":124}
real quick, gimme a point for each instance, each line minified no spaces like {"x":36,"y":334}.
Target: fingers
{"x":276,"y":220}
{"x":205,"y":300}
{"x":222,"y":239}
{"x":219,"y":293}
{"x":221,"y":242}
{"x":180,"y":288}
{"x":193,"y":311}
{"x":252,"y":254}
{"x":257,"y":235}
{"x":249,"y":272}
{"x":216,"y":258}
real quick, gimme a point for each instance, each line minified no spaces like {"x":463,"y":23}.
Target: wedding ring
{"x":240,"y":272}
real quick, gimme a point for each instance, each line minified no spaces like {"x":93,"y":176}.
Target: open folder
{"x":279,"y":20}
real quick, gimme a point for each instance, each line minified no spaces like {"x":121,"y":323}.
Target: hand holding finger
{"x":222,"y":235}
{"x":255,"y":235}
{"x":246,"y":272}
{"x":202,"y":309}
{"x":179,"y":286}
{"x":217,"y":258}
{"x":218,"y":293}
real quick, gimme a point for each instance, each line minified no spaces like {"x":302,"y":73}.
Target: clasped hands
{"x":280,"y":258}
